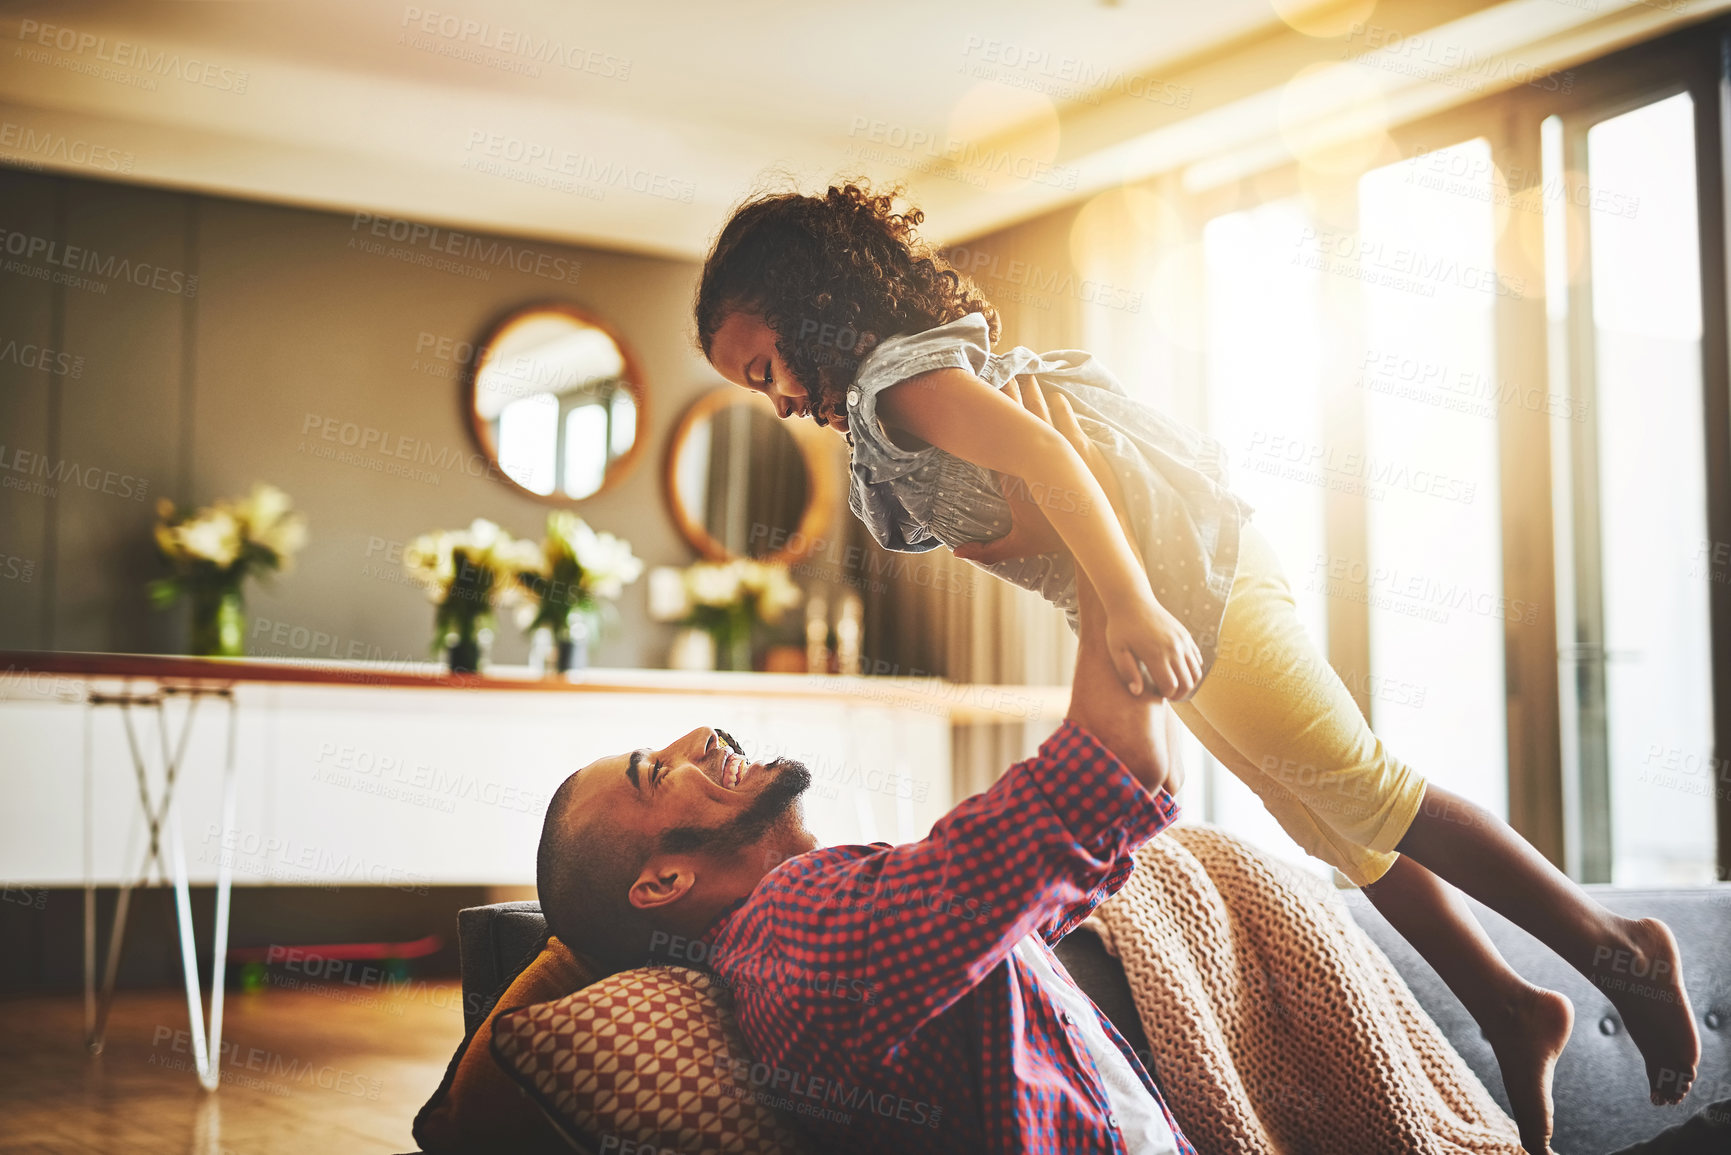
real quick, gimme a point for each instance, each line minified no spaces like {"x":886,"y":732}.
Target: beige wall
{"x":193,"y":397}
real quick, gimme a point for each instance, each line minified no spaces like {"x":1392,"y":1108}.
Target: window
{"x":1643,"y":554}
{"x":528,"y":436}
{"x":1262,"y":343}
{"x":1428,"y":474}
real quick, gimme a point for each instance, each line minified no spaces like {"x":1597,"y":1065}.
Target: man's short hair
{"x":584,"y":870}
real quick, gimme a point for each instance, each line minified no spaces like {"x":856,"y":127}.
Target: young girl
{"x":834,"y":309}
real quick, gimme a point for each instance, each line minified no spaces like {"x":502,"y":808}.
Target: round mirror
{"x":741,"y":482}
{"x":557,"y":402}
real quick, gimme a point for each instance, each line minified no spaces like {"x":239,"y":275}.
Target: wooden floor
{"x":328,"y":1070}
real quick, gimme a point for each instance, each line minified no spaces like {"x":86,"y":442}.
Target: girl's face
{"x":743,"y":352}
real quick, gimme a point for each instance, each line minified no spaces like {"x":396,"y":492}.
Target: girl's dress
{"x":1269,"y":707}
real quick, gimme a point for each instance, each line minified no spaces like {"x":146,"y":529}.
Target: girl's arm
{"x":957,"y":412}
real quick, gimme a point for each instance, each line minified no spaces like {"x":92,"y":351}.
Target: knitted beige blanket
{"x":1276,"y":1025}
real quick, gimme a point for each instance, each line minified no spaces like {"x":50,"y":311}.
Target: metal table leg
{"x":164,"y":818}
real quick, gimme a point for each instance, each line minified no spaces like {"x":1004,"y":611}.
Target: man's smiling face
{"x":696,"y":789}
{"x":664,"y":839}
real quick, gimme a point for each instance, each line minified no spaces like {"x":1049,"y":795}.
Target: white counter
{"x":351,"y":775}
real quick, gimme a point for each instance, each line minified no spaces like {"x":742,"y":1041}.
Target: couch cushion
{"x":645,"y":1057}
{"x":1601,"y":1082}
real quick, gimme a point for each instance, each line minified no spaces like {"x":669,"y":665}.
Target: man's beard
{"x":775,"y":803}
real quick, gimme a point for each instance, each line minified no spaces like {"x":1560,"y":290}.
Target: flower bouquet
{"x":578,"y":575}
{"x":468,"y":574}
{"x":213,"y":551}
{"x":727,"y":599}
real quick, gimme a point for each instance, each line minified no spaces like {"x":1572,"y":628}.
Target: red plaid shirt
{"x":876,"y":985}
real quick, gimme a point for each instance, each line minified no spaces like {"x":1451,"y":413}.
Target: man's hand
{"x":1031,"y":531}
{"x":1136,"y":729}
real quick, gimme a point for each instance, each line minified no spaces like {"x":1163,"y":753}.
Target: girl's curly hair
{"x":832,"y":276}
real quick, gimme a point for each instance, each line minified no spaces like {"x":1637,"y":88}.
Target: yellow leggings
{"x":1274,"y":712}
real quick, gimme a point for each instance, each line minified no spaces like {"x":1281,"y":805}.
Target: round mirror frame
{"x":633,"y":380}
{"x":814,"y":523}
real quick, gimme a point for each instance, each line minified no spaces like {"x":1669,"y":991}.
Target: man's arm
{"x":919,"y":925}
{"x":1132,"y":727}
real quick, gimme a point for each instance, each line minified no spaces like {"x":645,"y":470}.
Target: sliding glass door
{"x":1644,"y":558}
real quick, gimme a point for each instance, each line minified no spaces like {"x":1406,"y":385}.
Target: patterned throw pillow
{"x":644,"y":1057}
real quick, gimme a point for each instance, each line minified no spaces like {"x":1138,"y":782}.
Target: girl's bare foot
{"x":1527,"y":1037}
{"x":1643,"y":977}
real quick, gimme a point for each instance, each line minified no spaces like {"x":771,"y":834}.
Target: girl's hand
{"x":1148,"y":634}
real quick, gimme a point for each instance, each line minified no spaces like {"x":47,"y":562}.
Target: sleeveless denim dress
{"x":1186,"y":521}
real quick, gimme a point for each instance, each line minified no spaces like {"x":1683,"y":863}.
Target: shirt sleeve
{"x":964,"y":343}
{"x":917,"y":926}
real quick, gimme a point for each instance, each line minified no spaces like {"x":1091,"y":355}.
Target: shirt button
{"x":853,"y":396}
{"x":1112,"y":1121}
{"x":1066,"y":1018}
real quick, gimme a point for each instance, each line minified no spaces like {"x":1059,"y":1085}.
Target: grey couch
{"x":1600,"y":1081}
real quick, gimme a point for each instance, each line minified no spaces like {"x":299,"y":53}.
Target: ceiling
{"x":635,"y":126}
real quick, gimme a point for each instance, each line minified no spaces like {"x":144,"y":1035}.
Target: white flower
{"x":607,"y":562}
{"x":265,"y":506}
{"x":512,"y":555}
{"x":431,"y":560}
{"x":778,"y":593}
{"x":283,"y":537}
{"x":713,"y":584}
{"x":724,"y":584}
{"x":213,"y":536}
{"x":481,"y":535}
{"x":428,"y":560}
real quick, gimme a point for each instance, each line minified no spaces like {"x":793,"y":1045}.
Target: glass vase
{"x":733,"y":642}
{"x":571,"y":645}
{"x":218,"y":622}
{"x":692,"y":649}
{"x":466,"y":647}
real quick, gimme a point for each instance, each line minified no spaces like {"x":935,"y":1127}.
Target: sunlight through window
{"x":1652,"y":494}
{"x":1427,"y":267}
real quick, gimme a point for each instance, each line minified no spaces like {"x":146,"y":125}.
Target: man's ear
{"x":663,"y":881}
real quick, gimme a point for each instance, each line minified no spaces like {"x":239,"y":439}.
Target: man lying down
{"x":923,"y":972}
